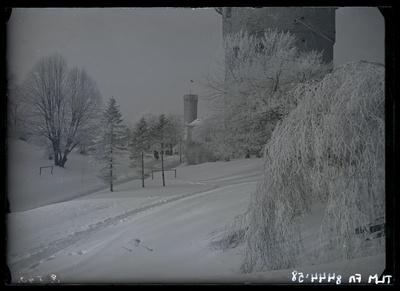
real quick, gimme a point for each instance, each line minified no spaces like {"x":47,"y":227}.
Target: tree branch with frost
{"x":330,"y":149}
{"x":251,"y":78}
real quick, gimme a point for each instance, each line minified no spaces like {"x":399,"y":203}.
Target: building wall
{"x":314,"y":27}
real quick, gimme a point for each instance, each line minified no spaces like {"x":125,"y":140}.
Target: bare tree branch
{"x":62,"y":104}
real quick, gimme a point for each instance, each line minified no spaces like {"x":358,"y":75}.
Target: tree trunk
{"x":55,"y":151}
{"x":162,"y":164}
{"x":56,"y":163}
{"x":180,"y":150}
{"x":63,"y":161}
{"x":142,"y":169}
{"x":111,"y":176}
{"x":111,"y":159}
{"x":63,"y":158}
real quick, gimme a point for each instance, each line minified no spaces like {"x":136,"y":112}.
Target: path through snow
{"x":153,"y":234}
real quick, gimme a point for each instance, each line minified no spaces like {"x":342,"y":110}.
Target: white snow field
{"x":154,"y":234}
{"x":28,"y":189}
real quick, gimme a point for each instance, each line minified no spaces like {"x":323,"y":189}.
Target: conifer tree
{"x":161,"y":132}
{"x":110,"y":142}
{"x":139,"y":143}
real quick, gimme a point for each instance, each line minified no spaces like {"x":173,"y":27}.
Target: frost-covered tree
{"x":249,"y":82}
{"x":329,"y":149}
{"x":161,"y":133}
{"x":139,"y":143}
{"x":176,"y":129}
{"x":110,"y":142}
{"x":62,"y":104}
{"x":211,"y":135}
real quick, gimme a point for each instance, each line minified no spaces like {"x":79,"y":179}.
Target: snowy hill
{"x":136,"y":235}
{"x":27,"y":189}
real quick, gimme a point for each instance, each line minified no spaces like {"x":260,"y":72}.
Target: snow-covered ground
{"x":28,"y":189}
{"x":154,"y":234}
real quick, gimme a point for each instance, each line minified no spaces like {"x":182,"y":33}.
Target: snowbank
{"x":148,"y":235}
{"x":329,"y":149}
{"x":27,"y":189}
{"x":166,"y":242}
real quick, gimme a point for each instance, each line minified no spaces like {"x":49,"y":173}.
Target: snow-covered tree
{"x":139,"y":143}
{"x":211,"y":135}
{"x":161,"y":133}
{"x":176,"y":129}
{"x":329,"y":149}
{"x":249,"y":83}
{"x":62,"y":105}
{"x":110,"y":142}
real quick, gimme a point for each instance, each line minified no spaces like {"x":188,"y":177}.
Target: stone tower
{"x":189,"y":108}
{"x":313,"y":27}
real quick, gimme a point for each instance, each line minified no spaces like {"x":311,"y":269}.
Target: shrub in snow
{"x":196,"y":153}
{"x":330,"y":149}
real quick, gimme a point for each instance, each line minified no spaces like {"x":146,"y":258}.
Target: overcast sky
{"x":146,"y":58}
